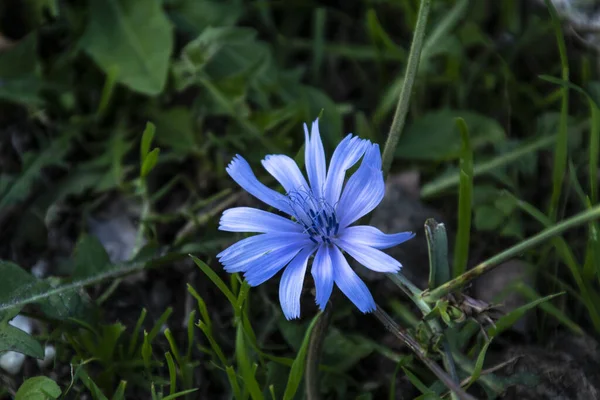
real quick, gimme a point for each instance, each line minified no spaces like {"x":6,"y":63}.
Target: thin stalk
{"x":409,"y":80}
{"x":415,"y":347}
{"x":313,"y":356}
{"x":489,"y":264}
{"x":560,"y":150}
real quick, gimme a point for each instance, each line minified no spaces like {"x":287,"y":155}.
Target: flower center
{"x":315,"y":215}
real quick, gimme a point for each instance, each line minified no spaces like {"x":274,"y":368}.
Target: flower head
{"x":321,"y":210}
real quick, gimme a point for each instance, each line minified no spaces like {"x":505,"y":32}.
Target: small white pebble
{"x":12,"y":362}
{"x":49,"y":354}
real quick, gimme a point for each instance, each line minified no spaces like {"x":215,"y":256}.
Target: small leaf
{"x":38,"y":388}
{"x":437,"y":244}
{"x":133,"y":35}
{"x":149,"y":162}
{"x":479,"y":364}
{"x":147,"y":137}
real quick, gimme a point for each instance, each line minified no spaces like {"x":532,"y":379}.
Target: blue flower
{"x":322,"y":211}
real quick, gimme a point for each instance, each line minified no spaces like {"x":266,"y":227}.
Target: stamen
{"x":316,"y":216}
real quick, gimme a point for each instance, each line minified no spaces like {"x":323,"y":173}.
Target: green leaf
{"x":479,"y":364}
{"x":134,"y":36}
{"x":298,"y":366}
{"x":19,"y":72}
{"x":147,"y":138}
{"x":90,"y":257}
{"x":120,"y":391}
{"x":150,"y":162}
{"x":244,"y":365}
{"x":38,"y":388}
{"x":508,"y":320}
{"x":174,"y":129}
{"x":465,"y":201}
{"x":14,"y":339}
{"x":19,"y":188}
{"x":216,"y":280}
{"x":437,"y":244}
{"x":435,"y":136}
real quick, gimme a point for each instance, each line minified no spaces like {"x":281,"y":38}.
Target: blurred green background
{"x":79,"y":80}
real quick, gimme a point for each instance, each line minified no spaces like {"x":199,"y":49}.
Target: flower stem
{"x":416,"y":348}
{"x":458,"y":282}
{"x":313,"y":356}
{"x":409,"y":79}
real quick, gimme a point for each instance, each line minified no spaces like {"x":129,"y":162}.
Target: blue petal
{"x":322,"y":272}
{"x":263,"y":268}
{"x":246,"y":219}
{"x":371,"y":258}
{"x":314,"y":158}
{"x":364,"y":190}
{"x":286,"y":171}
{"x":292,"y":280}
{"x":346,"y":154}
{"x":236,"y":256}
{"x":240,"y":171}
{"x":373,"y":237}
{"x":350,"y":284}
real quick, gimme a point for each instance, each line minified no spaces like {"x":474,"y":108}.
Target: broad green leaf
{"x":298,"y":366}
{"x":175,"y":130}
{"x":435,"y":137}
{"x":135,"y":36}
{"x":196,"y":15}
{"x":38,"y":388}
{"x":90,"y":257}
{"x":14,"y":339}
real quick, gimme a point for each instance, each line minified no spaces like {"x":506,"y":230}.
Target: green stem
{"x":415,"y":347}
{"x":407,"y":85}
{"x":313,"y":356}
{"x":455,"y":284}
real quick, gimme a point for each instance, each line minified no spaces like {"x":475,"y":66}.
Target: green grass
{"x":141,"y":108}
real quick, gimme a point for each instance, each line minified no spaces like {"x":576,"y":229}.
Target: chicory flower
{"x":322,"y":211}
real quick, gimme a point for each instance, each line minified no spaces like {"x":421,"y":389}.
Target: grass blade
{"x":465,"y":201}
{"x":298,"y":366}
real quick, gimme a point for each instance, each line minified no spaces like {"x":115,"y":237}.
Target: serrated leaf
{"x":38,"y":388}
{"x":134,"y":36}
